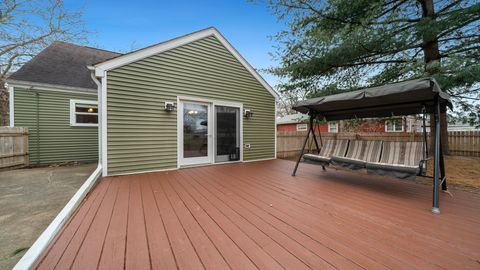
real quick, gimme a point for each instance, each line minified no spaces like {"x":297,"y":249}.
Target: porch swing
{"x":403,"y":160}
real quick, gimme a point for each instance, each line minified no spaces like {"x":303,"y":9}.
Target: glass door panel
{"x":195,"y":133}
{"x":227,"y":133}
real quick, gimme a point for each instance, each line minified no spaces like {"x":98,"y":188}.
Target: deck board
{"x":255,"y":215}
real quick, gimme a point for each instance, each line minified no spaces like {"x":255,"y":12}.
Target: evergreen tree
{"x":332,"y":46}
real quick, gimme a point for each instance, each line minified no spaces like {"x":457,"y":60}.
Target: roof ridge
{"x":85,"y":46}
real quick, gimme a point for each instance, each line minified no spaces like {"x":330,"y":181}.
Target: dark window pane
{"x":87,"y":119}
{"x":227,"y":133}
{"x":86,"y":108}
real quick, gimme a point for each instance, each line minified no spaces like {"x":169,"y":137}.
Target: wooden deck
{"x":255,"y":215}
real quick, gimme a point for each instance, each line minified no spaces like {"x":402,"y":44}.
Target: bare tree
{"x":26,"y":28}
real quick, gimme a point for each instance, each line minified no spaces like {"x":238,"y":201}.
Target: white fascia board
{"x":128,"y":58}
{"x":52,"y":87}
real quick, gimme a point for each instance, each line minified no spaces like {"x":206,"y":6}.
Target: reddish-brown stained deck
{"x":255,"y":215}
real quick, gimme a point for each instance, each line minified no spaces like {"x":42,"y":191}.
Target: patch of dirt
{"x":462,"y":173}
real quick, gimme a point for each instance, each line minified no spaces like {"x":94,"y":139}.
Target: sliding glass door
{"x":227,"y":133}
{"x":208,"y":133}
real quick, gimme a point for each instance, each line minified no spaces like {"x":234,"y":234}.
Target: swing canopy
{"x":403,"y":98}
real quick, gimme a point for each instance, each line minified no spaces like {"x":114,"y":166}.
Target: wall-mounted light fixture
{"x":248,"y":114}
{"x":169,"y":106}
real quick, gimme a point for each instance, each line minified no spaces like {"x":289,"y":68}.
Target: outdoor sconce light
{"x":248,"y":114}
{"x":169,"y":106}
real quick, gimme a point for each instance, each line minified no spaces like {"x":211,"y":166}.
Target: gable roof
{"x":130,"y":57}
{"x":62,"y":64}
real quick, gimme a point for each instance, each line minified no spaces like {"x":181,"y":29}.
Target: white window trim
{"x":73,"y":120}
{"x":302,"y":125}
{"x":336,"y":127}
{"x":394,"y":126}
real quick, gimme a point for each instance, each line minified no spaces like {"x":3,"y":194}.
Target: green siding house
{"x":189,"y":101}
{"x":54,"y":96}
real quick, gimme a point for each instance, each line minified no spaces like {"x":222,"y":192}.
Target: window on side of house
{"x":395,"y":125}
{"x":302,"y":127}
{"x":83,"y":113}
{"x":333,"y":127}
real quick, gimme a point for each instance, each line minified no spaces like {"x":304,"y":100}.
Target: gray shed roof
{"x":292,"y":119}
{"x":63,"y":64}
{"x":403,"y":98}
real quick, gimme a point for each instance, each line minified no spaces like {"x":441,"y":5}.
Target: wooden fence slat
{"x":460,"y":143}
{"x":13,"y":147}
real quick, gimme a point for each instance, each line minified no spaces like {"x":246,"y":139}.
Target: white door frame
{"x":212,"y":138}
{"x":195,"y":160}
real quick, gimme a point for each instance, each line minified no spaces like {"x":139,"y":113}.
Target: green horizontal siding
{"x":143,"y":137}
{"x":54,"y":141}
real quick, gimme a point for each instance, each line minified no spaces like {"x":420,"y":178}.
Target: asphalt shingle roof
{"x":63,"y":64}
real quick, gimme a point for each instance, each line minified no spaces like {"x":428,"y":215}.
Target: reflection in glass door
{"x":227,"y":133}
{"x":195,"y":137}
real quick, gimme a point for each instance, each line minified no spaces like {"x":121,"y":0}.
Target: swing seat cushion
{"x":331,"y":147}
{"x":358,"y":154}
{"x":350,"y":163}
{"x":316,"y":159}
{"x":399,"y":159}
{"x":397,"y":170}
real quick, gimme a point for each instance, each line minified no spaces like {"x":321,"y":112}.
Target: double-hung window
{"x":302,"y":127}
{"x":83,"y":113}
{"x":333,"y":127}
{"x":394,"y":125}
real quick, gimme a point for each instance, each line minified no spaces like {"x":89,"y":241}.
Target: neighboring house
{"x":189,"y":101}
{"x":459,"y":126}
{"x":55,"y":97}
{"x":299,"y":122}
{"x":456,"y":126}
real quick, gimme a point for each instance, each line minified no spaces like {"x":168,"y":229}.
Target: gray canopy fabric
{"x":403,"y":98}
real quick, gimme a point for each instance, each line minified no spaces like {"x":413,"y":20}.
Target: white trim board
{"x":52,"y":87}
{"x":42,"y":242}
{"x":260,"y":159}
{"x":11,"y":106}
{"x":128,"y":58}
{"x":103,"y":123}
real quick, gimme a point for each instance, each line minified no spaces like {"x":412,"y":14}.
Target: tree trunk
{"x":432,"y":66}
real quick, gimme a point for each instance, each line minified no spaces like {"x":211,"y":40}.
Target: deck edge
{"x":43,"y":241}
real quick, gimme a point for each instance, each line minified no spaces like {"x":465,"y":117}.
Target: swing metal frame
{"x":439,"y":104}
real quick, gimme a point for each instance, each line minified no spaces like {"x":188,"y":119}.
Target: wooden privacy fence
{"x":13,"y":147}
{"x":460,"y":143}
